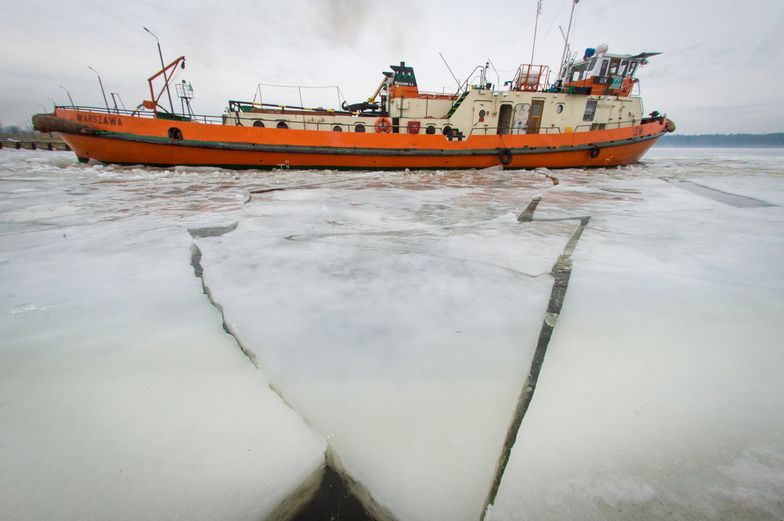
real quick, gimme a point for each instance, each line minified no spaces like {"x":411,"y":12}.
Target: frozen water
{"x":397,"y":319}
{"x":396,"y":314}
{"x":661,"y":392}
{"x":120,"y":395}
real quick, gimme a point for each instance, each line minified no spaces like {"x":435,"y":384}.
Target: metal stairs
{"x":457,"y":104}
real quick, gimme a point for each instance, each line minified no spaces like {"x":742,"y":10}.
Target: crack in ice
{"x":728,"y":198}
{"x":331,"y":486}
{"x":561,"y":272}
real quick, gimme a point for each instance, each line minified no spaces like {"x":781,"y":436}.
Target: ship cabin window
{"x":592,"y":66}
{"x":605,"y":64}
{"x":282,"y":124}
{"x":430,"y":129}
{"x":590,"y":110}
{"x":337,"y":128}
{"x":258,"y":123}
{"x":614,"y":63}
{"x":632,"y":70}
{"x":579,"y":72}
{"x":624,"y":68}
{"x":359,"y":127}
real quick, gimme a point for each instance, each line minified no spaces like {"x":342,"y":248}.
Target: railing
{"x":444,"y":128}
{"x":200,"y":118}
{"x":249,"y":106}
{"x":531,"y":78}
{"x":515,"y":131}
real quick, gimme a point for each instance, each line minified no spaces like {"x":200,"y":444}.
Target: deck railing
{"x":199,"y":118}
{"x":514,"y":131}
{"x":297,"y":121}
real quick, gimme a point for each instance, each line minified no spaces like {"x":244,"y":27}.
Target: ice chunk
{"x":400,"y":321}
{"x":660,"y":395}
{"x":120,"y":395}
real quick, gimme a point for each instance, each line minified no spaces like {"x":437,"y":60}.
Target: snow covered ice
{"x":384,"y":324}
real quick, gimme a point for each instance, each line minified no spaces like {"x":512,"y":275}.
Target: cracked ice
{"x":394,"y":320}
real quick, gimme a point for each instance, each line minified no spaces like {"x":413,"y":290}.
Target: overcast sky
{"x":721,"y":71}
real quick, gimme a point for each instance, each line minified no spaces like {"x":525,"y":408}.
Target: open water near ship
{"x":194,"y":343}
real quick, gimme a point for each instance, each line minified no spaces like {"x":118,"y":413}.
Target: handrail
{"x":201,"y":118}
{"x":557,"y":130}
{"x":439,"y":128}
{"x":529,"y":77}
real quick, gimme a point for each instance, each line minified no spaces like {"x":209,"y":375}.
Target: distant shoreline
{"x":775,"y":140}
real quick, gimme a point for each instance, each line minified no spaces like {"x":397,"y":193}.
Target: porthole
{"x":282,"y":124}
{"x":175,"y":133}
{"x":559,"y":108}
{"x":337,"y":128}
{"x":430,"y":129}
{"x":258,"y":123}
{"x":359,"y":127}
{"x":447,"y":131}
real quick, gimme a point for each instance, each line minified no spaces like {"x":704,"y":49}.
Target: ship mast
{"x":536,"y":26}
{"x":568,"y":31}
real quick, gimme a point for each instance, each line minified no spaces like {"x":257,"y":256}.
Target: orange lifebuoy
{"x":383,"y":125}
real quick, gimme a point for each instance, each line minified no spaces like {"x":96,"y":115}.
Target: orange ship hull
{"x":127,"y":139}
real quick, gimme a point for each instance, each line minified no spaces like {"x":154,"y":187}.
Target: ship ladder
{"x":457,"y":104}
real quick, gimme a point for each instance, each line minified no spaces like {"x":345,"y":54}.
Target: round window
{"x":258,"y":123}
{"x":359,"y":127}
{"x":337,"y":128}
{"x":282,"y":124}
{"x":447,"y":131}
{"x":430,"y":129}
{"x":559,"y":108}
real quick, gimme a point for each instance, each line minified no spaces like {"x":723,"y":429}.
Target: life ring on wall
{"x":383,"y":125}
{"x":504,"y":156}
{"x":595,"y":152}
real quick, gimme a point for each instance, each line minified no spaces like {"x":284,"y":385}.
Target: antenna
{"x":450,"y":72}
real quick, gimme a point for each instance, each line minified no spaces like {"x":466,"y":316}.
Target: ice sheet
{"x":396,"y":313}
{"x":661,"y":393}
{"x":399,"y":319}
{"x":120,"y":395}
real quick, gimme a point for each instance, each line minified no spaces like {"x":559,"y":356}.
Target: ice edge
{"x":300,"y":497}
{"x":561,"y":272}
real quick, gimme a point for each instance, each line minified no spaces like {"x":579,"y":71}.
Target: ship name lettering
{"x":99,"y":119}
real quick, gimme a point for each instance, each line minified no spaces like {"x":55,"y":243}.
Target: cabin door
{"x":521,"y":117}
{"x":535,"y":116}
{"x":504,"y":118}
{"x":482,"y":116}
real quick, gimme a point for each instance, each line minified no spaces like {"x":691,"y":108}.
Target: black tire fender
{"x":595,"y":151}
{"x":505,"y":156}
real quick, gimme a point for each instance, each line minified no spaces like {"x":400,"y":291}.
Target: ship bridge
{"x":601,"y":73}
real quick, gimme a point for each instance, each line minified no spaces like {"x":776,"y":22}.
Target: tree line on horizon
{"x":722,"y":140}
